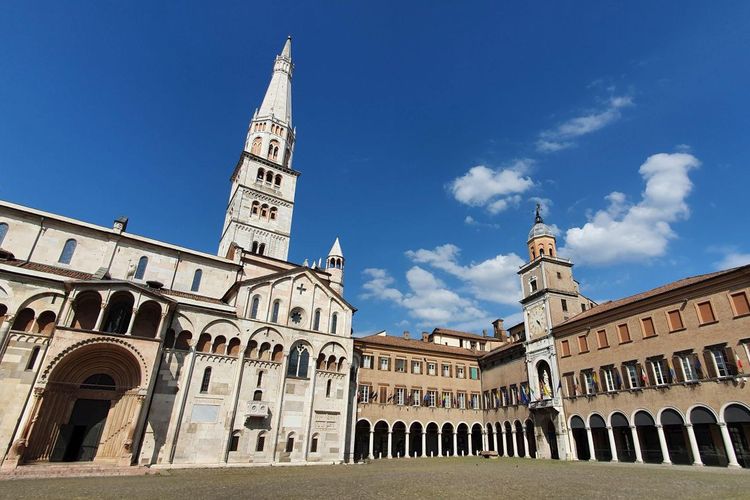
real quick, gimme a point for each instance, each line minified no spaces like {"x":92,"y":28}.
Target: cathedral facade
{"x":120,"y":349}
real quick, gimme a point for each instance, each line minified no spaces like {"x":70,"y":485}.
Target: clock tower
{"x":550,"y":296}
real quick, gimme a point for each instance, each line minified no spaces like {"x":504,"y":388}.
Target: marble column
{"x":612,"y":444}
{"x":636,"y":444}
{"x":590,"y":437}
{"x":515,"y":441}
{"x":370,"y":451}
{"x":693,"y":445}
{"x":526,"y":453}
{"x":406,"y":444}
{"x":731,"y":455}
{"x":440,"y":444}
{"x":663,"y":444}
{"x":390,"y":444}
{"x":424,"y":443}
{"x":455,"y":444}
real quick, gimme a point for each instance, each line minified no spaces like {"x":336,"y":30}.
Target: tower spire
{"x":538,"y":219}
{"x":277,"y":103}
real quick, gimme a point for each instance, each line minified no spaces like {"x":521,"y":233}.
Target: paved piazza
{"x":420,"y":478}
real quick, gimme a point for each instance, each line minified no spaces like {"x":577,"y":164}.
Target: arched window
{"x":272,"y":213}
{"x":277,"y":180}
{"x":67,"y":252}
{"x":275,"y":311}
{"x":196,"y":280}
{"x":334,"y":322}
{"x":264,"y":210}
{"x":235,"y":442}
{"x":255,"y":149}
{"x":140,"y":271}
{"x":261,"y":442}
{"x":258,"y":395}
{"x":254,"y":248}
{"x":273,"y":151}
{"x":269,"y":177}
{"x":541,"y":252}
{"x":314,"y":443}
{"x":3,"y":231}
{"x":262,"y":249}
{"x":299,"y":358}
{"x":551,"y":251}
{"x":32,"y":359}
{"x":255,"y":207}
{"x":316,"y":320}
{"x":260,"y":378}
{"x":206,"y":379}
{"x":254,"y":307}
{"x":328,"y":388}
{"x":289,"y":443}
{"x":261,"y":174}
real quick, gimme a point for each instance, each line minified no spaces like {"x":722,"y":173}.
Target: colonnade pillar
{"x":612,"y":444}
{"x":731,"y":455}
{"x":694,"y":445}
{"x":663,"y":444}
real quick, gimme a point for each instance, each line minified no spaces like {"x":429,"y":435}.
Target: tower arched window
{"x":334,"y":322}
{"x":140,"y":271}
{"x":316,"y":320}
{"x":328,"y":388}
{"x":255,"y":208}
{"x":254,"y":248}
{"x":67,"y":251}
{"x":299,"y":359}
{"x":206,"y":379}
{"x":275,"y":311}
{"x":264,"y":210}
{"x":261,"y":174}
{"x":260,"y":378}
{"x":254,"y":307}
{"x":255,"y":148}
{"x":197,"y":275}
{"x":262,"y":249}
{"x":258,"y":395}
{"x":272,"y":213}
{"x":541,"y":252}
{"x":3,"y":232}
{"x":269,"y":177}
{"x":277,"y":180}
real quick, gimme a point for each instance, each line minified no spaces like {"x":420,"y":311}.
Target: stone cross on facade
{"x":301,"y":288}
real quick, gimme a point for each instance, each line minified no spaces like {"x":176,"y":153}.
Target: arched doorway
{"x":737,"y":418}
{"x":447,"y":436}
{"x":476,"y":439}
{"x":490,"y":438}
{"x":415,"y":440}
{"x":581,"y":440}
{"x":519,"y":438}
{"x":623,"y":438}
{"x":602,"y":451}
{"x":89,"y":407}
{"x":119,"y":311}
{"x":530,"y":437}
{"x":462,"y":440}
{"x":708,"y":436}
{"x":380,"y":440}
{"x":509,"y":440}
{"x":432,"y":440}
{"x":499,"y":438}
{"x":675,"y":435}
{"x":398,"y":435}
{"x":648,"y":437}
{"x":361,"y":440}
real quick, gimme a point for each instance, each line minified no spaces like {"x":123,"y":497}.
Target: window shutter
{"x":650,"y":373}
{"x":709,"y":368}
{"x":700,"y":371}
{"x":667,"y":371}
{"x":639,"y":374}
{"x":679,"y":372}
{"x":625,"y":377}
{"x":731,"y":360}
{"x":582,"y":384}
{"x":602,"y":385}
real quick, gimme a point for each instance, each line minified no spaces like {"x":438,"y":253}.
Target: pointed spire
{"x":538,"y":219}
{"x":287,"y":51}
{"x":278,"y":99}
{"x":305,"y":264}
{"x":336,"y":249}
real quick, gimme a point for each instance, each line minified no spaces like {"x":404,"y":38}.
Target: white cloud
{"x":493,"y":280}
{"x":494,"y":189}
{"x":733,"y":259}
{"x":471,"y":221}
{"x":562,"y":136}
{"x":379,"y":285}
{"x":635,"y":232}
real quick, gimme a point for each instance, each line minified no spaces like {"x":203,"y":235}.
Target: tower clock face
{"x":537,"y":321}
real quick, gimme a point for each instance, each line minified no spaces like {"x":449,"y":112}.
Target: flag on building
{"x":739,"y":362}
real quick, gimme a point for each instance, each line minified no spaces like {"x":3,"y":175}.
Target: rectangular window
{"x":588,"y":382}
{"x":633,"y":376}
{"x":416,"y":397}
{"x":460,"y":373}
{"x":367,"y":361}
{"x":364,"y":393}
{"x":565,"y":348}
{"x":719,"y":356}
{"x":447,"y":399}
{"x":382,"y":394}
{"x":513,"y":394}
{"x":400,"y":396}
{"x":385,"y":363}
{"x":461,"y":400}
{"x":570,"y":385}
{"x":601,"y":338}
{"x":705,"y":313}
{"x":431,"y":368}
{"x":583,"y":344}
{"x":416,"y":367}
{"x":475,"y":401}
{"x":446,"y":370}
{"x":261,"y":443}
{"x":474,"y":373}
{"x":609,"y":379}
{"x":740,"y":304}
{"x":647,"y":327}
{"x":657,"y":367}
{"x":675,"y":320}
{"x":583,"y":307}
{"x":624,"y":333}
{"x":494,"y":399}
{"x":687,"y":366}
{"x":431,"y":397}
{"x":532,"y":284}
{"x":400,"y":365}
{"x":564,"y":305}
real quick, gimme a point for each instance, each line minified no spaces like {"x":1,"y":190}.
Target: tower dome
{"x":541,"y":238}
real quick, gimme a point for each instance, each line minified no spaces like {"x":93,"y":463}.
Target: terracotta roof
{"x":391,"y":341}
{"x":44,"y":268}
{"x":505,"y":347}
{"x":457,"y":333}
{"x":675,"y":285}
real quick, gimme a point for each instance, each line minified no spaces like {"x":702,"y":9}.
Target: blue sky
{"x":426,"y":133}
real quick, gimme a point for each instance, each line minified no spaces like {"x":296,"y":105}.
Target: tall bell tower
{"x":550,"y":296}
{"x":261,"y":199}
